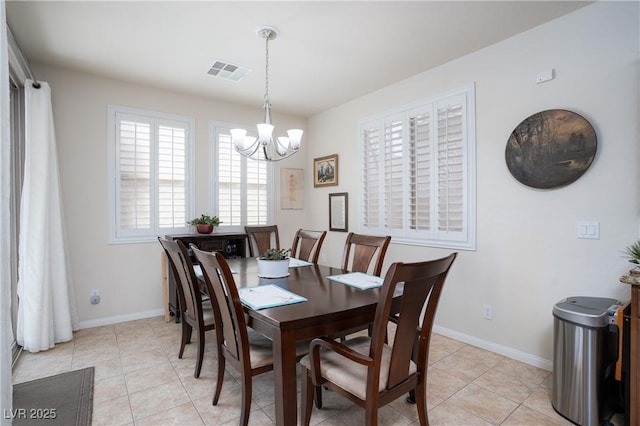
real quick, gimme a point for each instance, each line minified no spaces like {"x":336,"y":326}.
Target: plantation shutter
{"x":257,"y":193}
{"x":371,"y":176}
{"x":134,"y":174}
{"x":149,"y":174}
{"x":393,"y":174}
{"x":420,"y":171}
{"x":229,"y":182}
{"x":451,"y":162}
{"x":418,"y":166}
{"x":243,"y":185}
{"x":172,"y":176}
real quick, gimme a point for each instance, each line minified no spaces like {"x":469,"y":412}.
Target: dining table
{"x":330,"y":309}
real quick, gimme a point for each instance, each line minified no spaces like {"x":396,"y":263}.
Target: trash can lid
{"x":588,"y":311}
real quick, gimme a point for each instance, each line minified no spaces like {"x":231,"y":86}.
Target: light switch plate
{"x":588,"y":229}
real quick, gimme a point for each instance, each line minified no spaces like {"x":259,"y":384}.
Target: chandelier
{"x":266,"y":146}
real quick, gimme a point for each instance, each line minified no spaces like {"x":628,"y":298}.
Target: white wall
{"x":129,"y":275}
{"x":527,"y":257}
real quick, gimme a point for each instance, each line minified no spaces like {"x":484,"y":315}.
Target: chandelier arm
{"x":250,"y":150}
{"x":277,"y":142}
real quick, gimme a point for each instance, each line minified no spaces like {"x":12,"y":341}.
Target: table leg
{"x":284,"y":373}
{"x":165,"y":286}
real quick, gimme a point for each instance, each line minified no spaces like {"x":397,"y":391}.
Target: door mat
{"x":64,"y":399}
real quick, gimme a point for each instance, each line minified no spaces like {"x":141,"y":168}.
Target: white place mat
{"x":357,"y":279}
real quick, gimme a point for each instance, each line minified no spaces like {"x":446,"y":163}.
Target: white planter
{"x":273,"y":268}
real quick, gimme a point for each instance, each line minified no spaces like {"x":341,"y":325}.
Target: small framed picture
{"x":339,"y":212}
{"x":325,"y":171}
{"x":291,"y":189}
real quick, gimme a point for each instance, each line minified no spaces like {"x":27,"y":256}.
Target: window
{"x":243,"y":188}
{"x":150,"y":174}
{"x":418,"y":172}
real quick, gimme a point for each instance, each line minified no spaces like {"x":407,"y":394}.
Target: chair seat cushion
{"x":261,"y":349}
{"x":349,"y":375}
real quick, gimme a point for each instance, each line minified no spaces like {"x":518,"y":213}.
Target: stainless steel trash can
{"x":580,"y":327}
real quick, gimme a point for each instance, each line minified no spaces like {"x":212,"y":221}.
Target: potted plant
{"x":632,"y":253}
{"x":274,"y":263}
{"x":205,"y":223}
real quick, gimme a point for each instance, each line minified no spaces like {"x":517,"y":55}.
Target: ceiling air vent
{"x":229,"y":71}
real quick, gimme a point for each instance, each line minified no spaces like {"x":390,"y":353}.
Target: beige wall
{"x":128,"y":275}
{"x":528,"y":256}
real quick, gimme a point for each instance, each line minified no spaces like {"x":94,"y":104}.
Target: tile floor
{"x":140,"y":380}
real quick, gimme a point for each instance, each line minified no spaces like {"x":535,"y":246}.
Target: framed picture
{"x":551,"y":149}
{"x":291,"y":189}
{"x":325,"y":171}
{"x":339,"y":212}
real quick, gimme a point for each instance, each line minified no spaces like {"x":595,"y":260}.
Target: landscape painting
{"x":550,"y":149}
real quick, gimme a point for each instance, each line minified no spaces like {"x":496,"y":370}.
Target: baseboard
{"x":474,"y":341}
{"x":494,"y":347}
{"x":120,"y":318}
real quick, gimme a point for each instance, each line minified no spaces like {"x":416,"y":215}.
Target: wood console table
{"x":231,"y":245}
{"x":634,"y":352}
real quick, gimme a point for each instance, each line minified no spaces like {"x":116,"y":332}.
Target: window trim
{"x":400,"y":236}
{"x":112,"y":184}
{"x":214,"y":191}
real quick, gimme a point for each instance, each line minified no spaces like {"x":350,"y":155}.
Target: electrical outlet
{"x":95,"y":297}
{"x":487,"y":312}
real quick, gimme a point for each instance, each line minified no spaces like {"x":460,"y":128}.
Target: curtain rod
{"x":14,"y":50}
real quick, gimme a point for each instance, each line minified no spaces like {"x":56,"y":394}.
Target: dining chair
{"x":262,"y":238}
{"x":370,"y":372}
{"x":247,"y":350}
{"x":359,"y":251}
{"x":195,"y":310}
{"x":308,"y":242}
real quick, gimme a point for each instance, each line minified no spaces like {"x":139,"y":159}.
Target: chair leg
{"x":411,"y":399}
{"x":421,"y":395}
{"x":186,"y":337}
{"x":200,"y":355}
{"x":371,"y":416}
{"x":246,"y":398}
{"x":318,"y":394}
{"x":220,"y":378}
{"x":307,"y":397}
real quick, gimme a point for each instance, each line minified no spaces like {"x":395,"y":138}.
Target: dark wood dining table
{"x":331,"y":308}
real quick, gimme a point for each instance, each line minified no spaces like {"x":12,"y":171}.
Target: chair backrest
{"x":307,"y":240}
{"x":227,"y":306}
{"x":188,"y":289}
{"x":364,"y":248}
{"x":261,"y":238}
{"x":423,"y":282}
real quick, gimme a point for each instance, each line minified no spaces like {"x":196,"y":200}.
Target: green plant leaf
{"x":205,"y":220}
{"x":275,"y":254}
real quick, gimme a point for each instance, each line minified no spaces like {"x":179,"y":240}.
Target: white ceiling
{"x":327,"y":53}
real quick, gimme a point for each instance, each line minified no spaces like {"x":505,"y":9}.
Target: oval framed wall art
{"x":551,"y":149}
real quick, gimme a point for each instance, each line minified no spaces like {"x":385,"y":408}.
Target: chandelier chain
{"x":266,"y":71}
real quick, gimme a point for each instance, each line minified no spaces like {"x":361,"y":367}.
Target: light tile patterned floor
{"x":140,"y":380}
